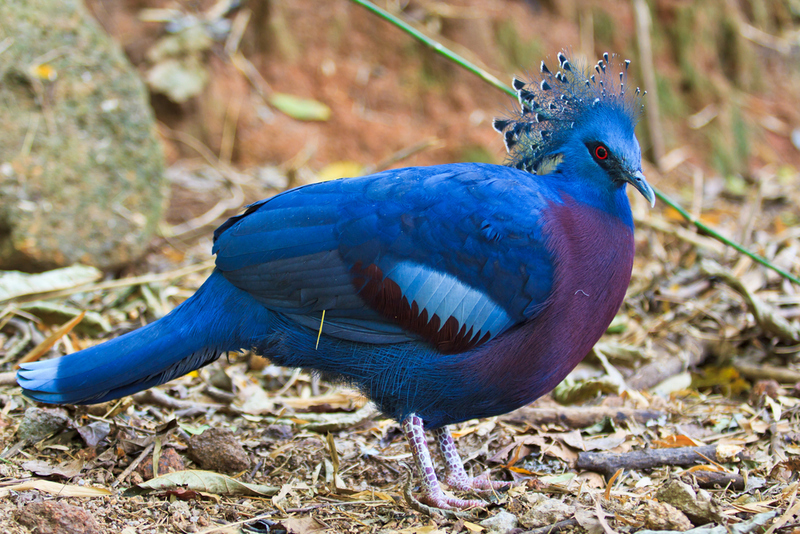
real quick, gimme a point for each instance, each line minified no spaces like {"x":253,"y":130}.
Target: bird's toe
{"x":481,"y":483}
{"x":451,"y":503}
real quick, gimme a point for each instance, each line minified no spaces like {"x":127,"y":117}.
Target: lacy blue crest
{"x":553,"y":106}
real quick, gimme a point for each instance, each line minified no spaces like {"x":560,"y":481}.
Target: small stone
{"x":663,"y":516}
{"x":502,"y":523}
{"x":218,"y":450}
{"x":697,"y":506}
{"x":39,"y":423}
{"x":278,"y":432}
{"x":545,"y":511}
{"x":169,"y":462}
{"x":54,"y":517}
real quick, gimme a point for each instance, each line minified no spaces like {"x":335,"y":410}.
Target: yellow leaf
{"x":340,"y":169}
{"x":472,"y":527}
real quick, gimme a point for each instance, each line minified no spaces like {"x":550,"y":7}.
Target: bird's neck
{"x":612,"y":199}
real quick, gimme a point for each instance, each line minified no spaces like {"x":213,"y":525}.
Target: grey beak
{"x":639,"y":182}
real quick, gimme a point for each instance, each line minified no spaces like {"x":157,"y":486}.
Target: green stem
{"x":713,"y":233}
{"x":484,"y":75}
{"x":438,"y":47}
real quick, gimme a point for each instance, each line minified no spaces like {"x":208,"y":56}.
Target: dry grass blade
{"x":39,"y":350}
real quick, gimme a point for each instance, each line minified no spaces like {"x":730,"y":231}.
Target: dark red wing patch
{"x":384,"y":296}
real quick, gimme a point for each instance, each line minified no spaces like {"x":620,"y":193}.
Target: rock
{"x":275,"y":432}
{"x":545,"y":511}
{"x":663,"y":516}
{"x":169,"y":462}
{"x":80,"y":165}
{"x":501,"y":523}
{"x":697,"y":506}
{"x":54,"y":517}
{"x":39,"y":423}
{"x":218,"y":450}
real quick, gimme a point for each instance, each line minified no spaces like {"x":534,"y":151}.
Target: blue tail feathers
{"x":191,"y":336}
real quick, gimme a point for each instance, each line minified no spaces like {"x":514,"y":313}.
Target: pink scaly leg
{"x":455,"y":475}
{"x":432,"y":493}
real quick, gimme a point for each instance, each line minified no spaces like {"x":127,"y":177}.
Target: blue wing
{"x":418,"y":253}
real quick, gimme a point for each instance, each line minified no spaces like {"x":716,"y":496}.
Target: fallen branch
{"x":717,"y":479}
{"x":783,"y":375}
{"x":8,"y":378}
{"x":159,"y":398}
{"x":609,"y":463}
{"x":580,"y":417}
{"x":666,"y":365}
{"x":134,"y":464}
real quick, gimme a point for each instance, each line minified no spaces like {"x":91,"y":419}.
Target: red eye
{"x":601,"y":152}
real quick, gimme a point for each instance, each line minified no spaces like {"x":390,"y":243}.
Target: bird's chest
{"x":594,"y":257}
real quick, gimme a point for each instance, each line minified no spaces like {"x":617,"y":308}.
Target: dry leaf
{"x":204,"y":481}
{"x":54,"y":488}
{"x":676,"y":440}
{"x":66,"y":469}
{"x":302,"y":525}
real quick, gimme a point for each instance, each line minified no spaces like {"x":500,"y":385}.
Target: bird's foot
{"x":462,"y":481}
{"x":451,"y":503}
{"x":434,"y":502}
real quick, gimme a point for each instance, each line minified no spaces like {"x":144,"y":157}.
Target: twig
{"x":609,"y":463}
{"x":134,"y":464}
{"x":220,"y":208}
{"x":19,"y":346}
{"x":666,"y":365}
{"x":661,"y":225}
{"x":783,"y":375}
{"x":766,"y":316}
{"x":400,"y":155}
{"x":159,"y":398}
{"x":717,"y":479}
{"x":762,"y":38}
{"x":339,"y":422}
{"x":8,"y":379}
{"x":36,"y":352}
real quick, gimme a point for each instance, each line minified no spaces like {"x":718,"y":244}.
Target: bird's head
{"x":578,"y":121}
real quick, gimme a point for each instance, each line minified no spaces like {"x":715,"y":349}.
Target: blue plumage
{"x":449,"y":292}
